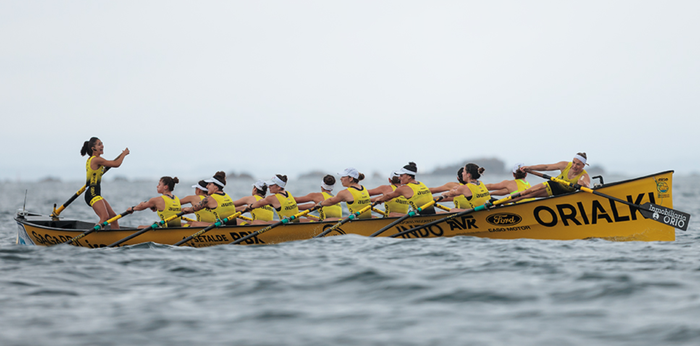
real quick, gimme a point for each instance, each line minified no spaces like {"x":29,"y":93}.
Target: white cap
{"x":260,"y":184}
{"x":406,"y":171}
{"x":276,"y":181}
{"x":215,"y":181}
{"x":203,"y":188}
{"x":350,"y":172}
{"x":517,"y":167}
{"x":395,"y":174}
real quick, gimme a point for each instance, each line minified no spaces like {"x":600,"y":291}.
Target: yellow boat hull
{"x":573,"y":216}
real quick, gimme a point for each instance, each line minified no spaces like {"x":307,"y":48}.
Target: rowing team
{"x":210,"y":203}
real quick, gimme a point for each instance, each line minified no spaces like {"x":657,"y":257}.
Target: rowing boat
{"x":566,"y":217}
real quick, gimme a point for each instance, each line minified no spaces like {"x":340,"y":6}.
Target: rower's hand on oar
{"x":247,"y":208}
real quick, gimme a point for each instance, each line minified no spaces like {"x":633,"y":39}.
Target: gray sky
{"x":290,"y":86}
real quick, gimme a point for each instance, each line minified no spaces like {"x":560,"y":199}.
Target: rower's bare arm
{"x":100,"y":161}
{"x":149,"y":204}
{"x":447,"y":187}
{"x":342,"y":196}
{"x":312,"y":197}
{"x":242,"y":201}
{"x":585,"y":180}
{"x":400,"y":191}
{"x":499,"y":192}
{"x":305,"y":206}
{"x":547,"y":167}
{"x":379,"y":190}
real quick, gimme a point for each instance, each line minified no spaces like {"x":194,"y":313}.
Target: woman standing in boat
{"x":571,"y":171}
{"x":281,"y":200}
{"x":218,"y":201}
{"x":264,"y":213}
{"x":166,"y":205}
{"x":414,"y":191}
{"x":330,"y":212}
{"x":355,"y":195}
{"x":397,"y":206}
{"x":200,"y":192}
{"x":474,"y":191}
{"x":506,"y":187}
{"x":95,"y":167}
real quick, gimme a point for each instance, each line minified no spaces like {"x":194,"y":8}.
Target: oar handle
{"x":410,"y":214}
{"x":281,"y":222}
{"x":146,"y":229}
{"x":442,"y":207}
{"x":347,"y":219}
{"x":382,"y":212}
{"x":98,"y":227}
{"x":210,"y":227}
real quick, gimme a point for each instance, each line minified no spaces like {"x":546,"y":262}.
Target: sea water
{"x":343,"y":290}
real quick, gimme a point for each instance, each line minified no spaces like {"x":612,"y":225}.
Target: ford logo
{"x":504,"y":219}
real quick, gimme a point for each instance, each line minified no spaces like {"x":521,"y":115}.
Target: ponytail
{"x":87,"y":146}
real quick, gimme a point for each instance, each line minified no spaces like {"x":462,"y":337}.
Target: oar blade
{"x":668,"y":216}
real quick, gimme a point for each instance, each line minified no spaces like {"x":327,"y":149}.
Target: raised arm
{"x":101,"y":161}
{"x":546,"y":167}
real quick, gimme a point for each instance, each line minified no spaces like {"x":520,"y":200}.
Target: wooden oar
{"x":667,"y":216}
{"x":146,"y":229}
{"x":286,"y":220}
{"x":210,"y":227}
{"x":345,"y":220}
{"x":410,"y":214}
{"x":65,"y":205}
{"x":485,"y":206}
{"x":98,"y":227}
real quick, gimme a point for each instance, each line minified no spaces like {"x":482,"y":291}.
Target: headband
{"x":276,"y":181}
{"x":580,"y":158}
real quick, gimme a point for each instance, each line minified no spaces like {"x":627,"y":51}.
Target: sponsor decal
{"x":464,"y":222}
{"x":594,"y":212}
{"x":670,"y":217}
{"x":504,"y":219}
{"x":510,"y":229}
{"x":238,"y":235}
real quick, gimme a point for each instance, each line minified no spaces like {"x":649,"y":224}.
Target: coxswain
{"x":509,"y":187}
{"x":218,"y":201}
{"x":264,"y":213}
{"x":328,"y":213}
{"x":200,"y":192}
{"x":355,"y":196}
{"x":166,"y":205}
{"x":414,"y":191}
{"x":473,"y":190}
{"x":95,"y":167}
{"x":282,"y":201}
{"x":571,"y":171}
{"x":397,"y":206}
